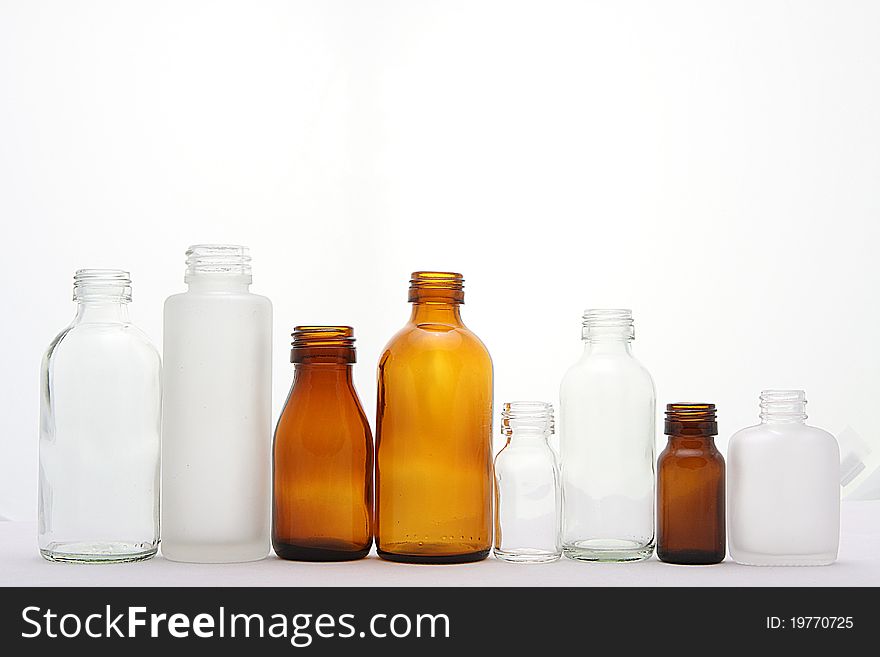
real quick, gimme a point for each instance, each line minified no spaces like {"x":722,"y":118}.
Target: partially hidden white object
{"x":859,"y":466}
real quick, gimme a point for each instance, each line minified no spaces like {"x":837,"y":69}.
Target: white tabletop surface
{"x":858,"y":565}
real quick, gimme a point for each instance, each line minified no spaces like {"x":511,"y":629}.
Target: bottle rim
{"x":436,"y":286}
{"x":535,"y":414}
{"x":112,"y":285}
{"x":693,"y":419}
{"x":323,"y":344}
{"x":218,"y":260}
{"x":607,"y":324}
{"x":783,"y":404}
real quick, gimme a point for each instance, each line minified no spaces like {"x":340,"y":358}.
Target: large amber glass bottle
{"x":434,"y":433}
{"x":323,"y":456}
{"x":690,"y":488}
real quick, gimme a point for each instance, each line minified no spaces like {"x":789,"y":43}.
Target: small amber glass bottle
{"x":690,"y":488}
{"x":323,"y":454}
{"x":434,"y":433}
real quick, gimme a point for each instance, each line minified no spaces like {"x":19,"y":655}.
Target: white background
{"x":713,"y":165}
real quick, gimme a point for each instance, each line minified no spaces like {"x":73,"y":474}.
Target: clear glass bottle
{"x":528,"y":493}
{"x":607,"y":446}
{"x":323,"y":454}
{"x":434,"y":432}
{"x":100,"y":406}
{"x":690,"y":488}
{"x":783,"y":494}
{"x":216,"y":430}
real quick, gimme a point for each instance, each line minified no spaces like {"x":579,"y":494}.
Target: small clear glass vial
{"x":528,"y":492}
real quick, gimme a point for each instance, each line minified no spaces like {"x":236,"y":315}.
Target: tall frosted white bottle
{"x":783,"y":490}
{"x":216,"y":429}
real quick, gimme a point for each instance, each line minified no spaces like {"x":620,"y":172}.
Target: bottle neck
{"x":436,"y":312}
{"x":782,"y":419}
{"x":691,"y":442}
{"x":102,"y":312}
{"x":783,"y":407}
{"x":621,"y":346}
{"x":608,"y":331}
{"x":528,"y":437}
{"x":325,"y":373}
{"x":218,"y":268}
{"x":219,"y":284}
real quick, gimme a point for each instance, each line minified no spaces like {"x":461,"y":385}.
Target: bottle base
{"x":401,"y":557}
{"x":758,"y":559}
{"x":602,"y":550}
{"x":526,"y":555}
{"x":214,"y":553}
{"x":294,"y":552}
{"x":690,"y":557}
{"x":98,"y":552}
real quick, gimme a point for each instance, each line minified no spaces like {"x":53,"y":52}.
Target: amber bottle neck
{"x":323,"y":371}
{"x":691,"y":442}
{"x":435,"y":312}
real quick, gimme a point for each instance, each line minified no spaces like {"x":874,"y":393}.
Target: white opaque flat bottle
{"x":607,"y":446}
{"x":100,"y":406}
{"x":216,"y":431}
{"x":783,"y":495}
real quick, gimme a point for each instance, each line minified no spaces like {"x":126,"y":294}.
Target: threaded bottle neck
{"x":527,"y":417}
{"x":437,"y":287}
{"x":691,"y":420}
{"x":101,"y":286}
{"x":314,"y":345}
{"x":783,"y":406}
{"x":228,"y":262}
{"x":608,"y":325}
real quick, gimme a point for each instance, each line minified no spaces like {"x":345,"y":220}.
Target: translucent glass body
{"x":323,"y":455}
{"x":528,"y":492}
{"x":607,"y":446}
{"x":690,"y":488}
{"x":433,"y":433}
{"x":783,"y":495}
{"x":217,"y":430}
{"x":99,"y":431}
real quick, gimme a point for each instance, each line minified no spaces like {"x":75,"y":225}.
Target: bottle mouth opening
{"x":607,"y":324}
{"x":322,"y":344}
{"x":783,"y":405}
{"x":531,"y":414}
{"x":691,"y":419}
{"x":102,"y":285}
{"x":218,"y":260}
{"x":436,"y":286}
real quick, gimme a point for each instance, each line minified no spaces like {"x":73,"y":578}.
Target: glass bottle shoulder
{"x":533,"y":455}
{"x":414,"y":338}
{"x":336,"y":402}
{"x":793,"y":434}
{"x":194,"y":297}
{"x":691,"y":455}
{"x":110,"y":340}
{"x":598,"y":369}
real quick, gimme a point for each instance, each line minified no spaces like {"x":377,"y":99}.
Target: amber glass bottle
{"x":690,"y":488}
{"x":434,"y":433}
{"x":323,"y":454}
